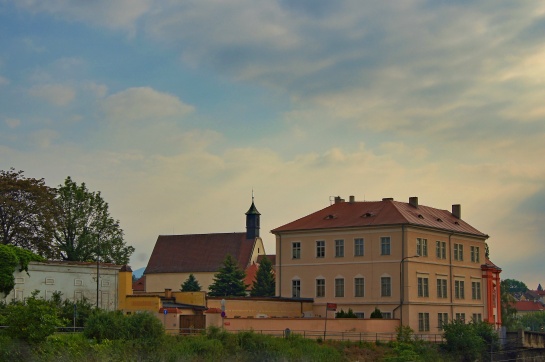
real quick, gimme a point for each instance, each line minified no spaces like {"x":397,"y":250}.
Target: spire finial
{"x":252,"y":194}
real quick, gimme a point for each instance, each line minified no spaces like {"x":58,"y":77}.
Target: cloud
{"x":12,"y":122}
{"x":57,"y":94}
{"x":143,"y":104}
{"x":121,"y":14}
{"x":3,"y":80}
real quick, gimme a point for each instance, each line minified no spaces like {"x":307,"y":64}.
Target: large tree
{"x":264,"y":284}
{"x":515,"y":286}
{"x":229,"y":280}
{"x":26,"y":206}
{"x":84,"y":228}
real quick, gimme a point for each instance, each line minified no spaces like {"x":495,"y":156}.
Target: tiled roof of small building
{"x":271,"y":257}
{"x":528,"y":306}
{"x":140,"y":284}
{"x":198,"y":252}
{"x":379,"y":213}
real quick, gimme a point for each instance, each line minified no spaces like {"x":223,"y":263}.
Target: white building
{"x":75,"y":280}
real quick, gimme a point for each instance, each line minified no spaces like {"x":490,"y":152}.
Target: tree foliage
{"x":343,"y":314}
{"x":470,"y":341}
{"x":229,"y":281}
{"x":264,"y":284}
{"x":12,"y":257}
{"x":26,"y":212}
{"x":533,"y":321}
{"x":113,"y":325}
{"x":84,"y":229}
{"x":376,"y":313}
{"x":508,"y":311}
{"x":191,"y":284}
{"x":514,"y":286}
{"x":33,"y":320}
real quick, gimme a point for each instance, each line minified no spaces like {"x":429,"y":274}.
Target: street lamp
{"x":401,"y":282}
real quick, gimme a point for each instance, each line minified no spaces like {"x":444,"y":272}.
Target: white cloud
{"x":143,"y":104}
{"x":57,"y":94}
{"x":12,"y":122}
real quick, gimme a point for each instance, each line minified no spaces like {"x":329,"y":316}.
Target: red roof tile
{"x":198,"y":252}
{"x":528,"y":306}
{"x":379,"y":213}
{"x":251,"y":272}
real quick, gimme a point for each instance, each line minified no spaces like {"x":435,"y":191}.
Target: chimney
{"x":352,"y":198}
{"x":338,"y":199}
{"x":413,"y":201}
{"x":387,"y":199}
{"x":168,"y":293}
{"x":457,"y":211}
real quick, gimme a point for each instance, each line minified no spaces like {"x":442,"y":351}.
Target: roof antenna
{"x":252,"y":195}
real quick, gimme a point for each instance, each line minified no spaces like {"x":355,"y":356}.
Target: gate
{"x":190,"y":324}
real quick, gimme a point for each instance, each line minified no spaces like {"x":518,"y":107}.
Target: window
{"x":296,"y":288}
{"x":461,"y":317}
{"x":19,"y":280}
{"x":458,"y":252}
{"x":320,"y":288}
{"x":423,"y":322}
{"x":320,"y":249}
{"x":459,"y":289}
{"x":296,"y":250}
{"x":105,"y":283}
{"x":441,"y":249}
{"x":358,"y":247}
{"x":475,"y":258}
{"x":359,"y":287}
{"x":423,"y":288}
{"x":49,"y":281}
{"x":421,"y":247}
{"x":360,"y":315}
{"x":442,"y":319}
{"x":441,"y":288}
{"x":78,"y":282}
{"x":386,"y":287}
{"x":339,"y":287}
{"x":339,"y":248}
{"x":477,"y":317}
{"x":78,"y":295}
{"x":475,"y":290}
{"x":385,"y":245}
{"x":386,"y":315}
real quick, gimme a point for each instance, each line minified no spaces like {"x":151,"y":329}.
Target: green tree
{"x":26,"y":216}
{"x":533,"y":321}
{"x":12,"y":257}
{"x":229,"y":280}
{"x":191,"y":284}
{"x":508,"y":311}
{"x":264,"y":284}
{"x":84,"y":229}
{"x":470,"y":341}
{"x":343,"y":314}
{"x":33,"y":320}
{"x":514,"y":286}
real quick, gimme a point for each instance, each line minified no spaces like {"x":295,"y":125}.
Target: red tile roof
{"x":379,"y":213}
{"x":251,"y":272}
{"x":528,"y":306}
{"x":198,"y":252}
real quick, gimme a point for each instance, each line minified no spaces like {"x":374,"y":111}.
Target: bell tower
{"x":252,"y":221}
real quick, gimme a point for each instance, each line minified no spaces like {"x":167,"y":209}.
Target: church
{"x":174,"y":257}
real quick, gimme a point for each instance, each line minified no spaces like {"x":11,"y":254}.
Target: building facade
{"x":414,"y":263}
{"x":74,"y":280}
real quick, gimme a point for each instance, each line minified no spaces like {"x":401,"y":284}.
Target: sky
{"x":176,"y":110}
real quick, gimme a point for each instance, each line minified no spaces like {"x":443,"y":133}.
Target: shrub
{"x":103,"y":325}
{"x":376,"y":313}
{"x":32,"y":321}
{"x":467,"y":341}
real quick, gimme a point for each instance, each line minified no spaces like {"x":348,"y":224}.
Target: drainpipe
{"x":451,"y":281}
{"x":400,"y":276}
{"x":280,"y":267}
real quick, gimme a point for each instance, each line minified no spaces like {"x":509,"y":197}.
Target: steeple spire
{"x":252,"y":221}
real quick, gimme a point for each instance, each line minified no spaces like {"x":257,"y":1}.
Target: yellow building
{"x":414,"y":263}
